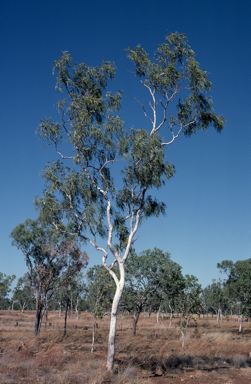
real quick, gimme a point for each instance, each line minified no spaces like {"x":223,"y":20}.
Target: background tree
{"x":188,"y":303}
{"x":151,"y":277}
{"x":216,"y":297}
{"x":23,"y":292}
{"x":49,"y":258}
{"x":5,"y":289}
{"x":89,"y":199}
{"x":238,"y":284}
{"x":100,"y":290}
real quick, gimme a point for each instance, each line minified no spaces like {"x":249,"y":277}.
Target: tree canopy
{"x":102,"y":185}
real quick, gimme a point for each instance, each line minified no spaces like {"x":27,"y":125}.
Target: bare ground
{"x":212,"y":354}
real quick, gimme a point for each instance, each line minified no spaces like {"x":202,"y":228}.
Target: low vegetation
{"x":153,"y":355}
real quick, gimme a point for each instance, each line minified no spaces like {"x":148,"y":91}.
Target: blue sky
{"x":208,"y":200}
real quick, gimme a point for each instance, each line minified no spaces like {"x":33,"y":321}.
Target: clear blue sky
{"x":208,"y":200}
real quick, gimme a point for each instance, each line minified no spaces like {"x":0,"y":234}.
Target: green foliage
{"x":238,"y":282}
{"x":100,"y":291}
{"x":173,"y":72}
{"x":47,"y":253}
{"x":24,"y":293}
{"x":151,"y":277}
{"x":89,"y":198}
{"x":80,"y":198}
{"x":188,"y":301}
{"x":214,"y":296}
{"x":5,"y":288}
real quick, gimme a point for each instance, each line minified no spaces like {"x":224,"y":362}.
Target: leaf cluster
{"x":174,"y":73}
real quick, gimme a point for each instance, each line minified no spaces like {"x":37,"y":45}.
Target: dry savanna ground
{"x":212,"y":354}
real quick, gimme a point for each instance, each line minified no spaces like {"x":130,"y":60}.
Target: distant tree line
{"x":154,"y":283}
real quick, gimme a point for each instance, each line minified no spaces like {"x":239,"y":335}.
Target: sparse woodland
{"x":158,"y":323}
{"x":215,"y":353}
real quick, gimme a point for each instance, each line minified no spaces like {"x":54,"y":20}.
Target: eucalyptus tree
{"x":188,"y":303}
{"x":5,"y":289}
{"x":216,"y":297}
{"x":205,"y":301}
{"x":151,"y":277}
{"x":85,"y":193}
{"x":100,"y":291}
{"x":238,"y":284}
{"x":50,"y":259}
{"x":23,"y":292}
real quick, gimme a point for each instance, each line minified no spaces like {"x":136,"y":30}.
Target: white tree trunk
{"x":76,"y":310}
{"x":240,"y":327}
{"x":171,"y":318}
{"x":93,"y":333}
{"x":113,"y":323}
{"x":218,"y":316}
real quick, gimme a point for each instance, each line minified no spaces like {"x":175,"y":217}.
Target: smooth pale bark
{"x":22,"y":307}
{"x":240,"y":326}
{"x":76,"y":310}
{"x":159,"y":313}
{"x":93,"y":333}
{"x":183,"y":329}
{"x":119,"y":283}
{"x":218,"y":316}
{"x":113,"y":322}
{"x":171,"y":315}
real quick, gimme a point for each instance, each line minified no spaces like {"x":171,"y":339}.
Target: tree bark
{"x":171,"y":318}
{"x":135,"y":321}
{"x":76,"y":310}
{"x":93,"y":333}
{"x":38,"y":317}
{"x":113,"y":323}
{"x":66,"y":311}
{"x":46,"y":315}
{"x":240,"y":327}
{"x":159,"y":313}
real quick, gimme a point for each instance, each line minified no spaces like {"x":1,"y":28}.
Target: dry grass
{"x":153,"y":352}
